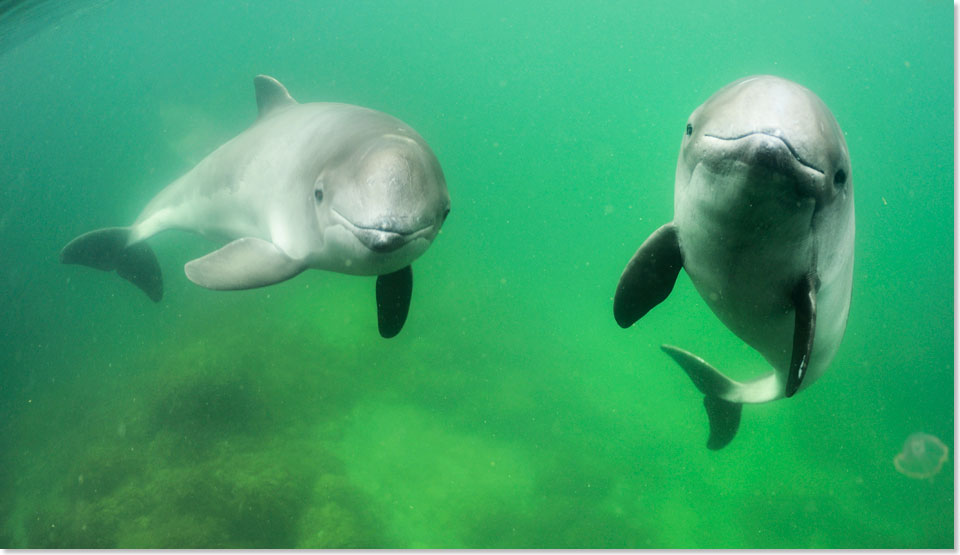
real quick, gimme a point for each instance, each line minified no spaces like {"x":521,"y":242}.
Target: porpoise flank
{"x":764,"y":226}
{"x":318,"y":185}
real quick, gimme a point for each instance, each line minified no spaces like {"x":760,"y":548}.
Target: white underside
{"x":745,"y":255}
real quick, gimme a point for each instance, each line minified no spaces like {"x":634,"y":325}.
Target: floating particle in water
{"x":922,"y":457}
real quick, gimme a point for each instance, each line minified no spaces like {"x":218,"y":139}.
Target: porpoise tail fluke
{"x":723,"y":397}
{"x":108,"y":249}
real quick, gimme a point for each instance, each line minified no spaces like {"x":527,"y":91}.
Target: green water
{"x":511,"y":411}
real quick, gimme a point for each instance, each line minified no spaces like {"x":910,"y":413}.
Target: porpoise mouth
{"x":383,"y":237}
{"x":776,"y":135}
{"x":380,"y":240}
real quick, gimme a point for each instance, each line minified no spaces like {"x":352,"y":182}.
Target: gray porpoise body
{"x":322,"y":186}
{"x":764,"y":227}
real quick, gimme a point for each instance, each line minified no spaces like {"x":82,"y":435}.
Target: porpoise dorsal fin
{"x":271,"y":95}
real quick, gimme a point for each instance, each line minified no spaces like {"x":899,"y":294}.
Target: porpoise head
{"x":772,"y":129}
{"x":389,"y":193}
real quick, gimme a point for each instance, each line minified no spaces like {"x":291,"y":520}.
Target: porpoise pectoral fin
{"x":649,"y":276}
{"x":243,"y":264}
{"x":107,"y":249}
{"x":393,"y":300}
{"x":805,"y":308}
{"x":271,"y":95}
{"x":724,"y":415}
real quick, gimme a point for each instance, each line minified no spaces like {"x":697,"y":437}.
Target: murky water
{"x":511,"y":411}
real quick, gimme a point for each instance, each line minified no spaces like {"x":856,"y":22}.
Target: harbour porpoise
{"x":764,"y":227}
{"x":318,"y":185}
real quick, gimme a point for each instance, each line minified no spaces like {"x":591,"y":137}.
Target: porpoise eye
{"x":689,"y":130}
{"x":839,"y":178}
{"x":318,"y":194}
{"x":445,"y":212}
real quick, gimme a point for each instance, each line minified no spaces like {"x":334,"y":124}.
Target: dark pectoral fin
{"x":243,"y":264}
{"x":393,"y":300}
{"x":805,"y":308}
{"x":649,"y":276}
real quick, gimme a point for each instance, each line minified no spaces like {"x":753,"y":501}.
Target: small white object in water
{"x":922,"y":457}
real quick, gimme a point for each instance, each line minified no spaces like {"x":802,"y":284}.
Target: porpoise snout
{"x":381,"y":241}
{"x":772,"y":152}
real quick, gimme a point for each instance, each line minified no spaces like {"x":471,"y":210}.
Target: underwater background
{"x":511,"y":411}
